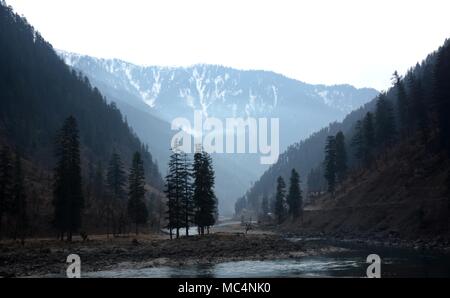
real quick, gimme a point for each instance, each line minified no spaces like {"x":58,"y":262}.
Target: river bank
{"x":432,"y":243}
{"x":48,"y":257}
{"x":227,"y":243}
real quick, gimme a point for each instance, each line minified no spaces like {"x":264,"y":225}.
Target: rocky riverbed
{"x":48,"y":257}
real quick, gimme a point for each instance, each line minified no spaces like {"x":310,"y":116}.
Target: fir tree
{"x":187,"y":198}
{"x":341,"y":157}
{"x":441,"y":94}
{"x":330,"y":163}
{"x":402,"y":103}
{"x":174,"y":192}
{"x":418,"y":107}
{"x":385,"y":130}
{"x":116,"y":186}
{"x":68,"y":197}
{"x":316,"y":182}
{"x":369,"y":138}
{"x":115,"y":177}
{"x":294,"y":198}
{"x":19,"y":207}
{"x":6,"y":183}
{"x":280,"y":197}
{"x":137,"y":209}
{"x":204,"y":197}
{"x":358,"y":141}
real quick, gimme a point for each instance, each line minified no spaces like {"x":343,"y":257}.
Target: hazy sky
{"x":356,"y":42}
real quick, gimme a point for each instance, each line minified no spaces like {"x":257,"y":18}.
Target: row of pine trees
{"x":375,"y":133}
{"x":121,"y":206}
{"x":191,"y":200}
{"x":418,"y":109}
{"x":13,"y":197}
{"x":414,"y":110}
{"x":283,"y":205}
{"x":288,"y":205}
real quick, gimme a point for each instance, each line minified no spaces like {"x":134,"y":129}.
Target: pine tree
{"x":341,"y":157}
{"x":68,"y":197}
{"x":211,"y":202}
{"x":385,"y":130}
{"x":441,"y":94}
{"x":358,"y":141}
{"x":19,"y":207}
{"x":280,"y":205}
{"x":187,"y":198}
{"x":205,"y":200}
{"x":294,"y":198}
{"x":330,"y":163}
{"x":115,"y":177}
{"x":316,"y":182}
{"x":402,"y":104}
{"x":137,"y":209}
{"x":101,"y":202}
{"x":174,"y":192}
{"x":170,"y":191}
{"x":369,"y":138}
{"x":418,"y":108}
{"x":116,"y":185}
{"x":6,"y":183}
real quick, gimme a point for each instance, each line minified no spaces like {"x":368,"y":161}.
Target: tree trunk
{"x":187,"y":230}
{"x":178,"y":233}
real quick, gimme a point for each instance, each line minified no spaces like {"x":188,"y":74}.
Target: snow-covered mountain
{"x":152,"y":96}
{"x":217,"y":90}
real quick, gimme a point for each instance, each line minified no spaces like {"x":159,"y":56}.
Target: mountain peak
{"x":217,"y":90}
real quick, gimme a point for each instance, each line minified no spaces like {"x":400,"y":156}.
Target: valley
{"x":151,"y":97}
{"x":212,"y":171}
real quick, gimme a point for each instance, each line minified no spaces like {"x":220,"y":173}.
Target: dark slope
{"x":309,"y":153}
{"x":38,"y":91}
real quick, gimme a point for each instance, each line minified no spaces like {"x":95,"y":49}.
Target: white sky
{"x":347,"y":41}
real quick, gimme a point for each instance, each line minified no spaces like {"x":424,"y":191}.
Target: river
{"x":349,"y":263}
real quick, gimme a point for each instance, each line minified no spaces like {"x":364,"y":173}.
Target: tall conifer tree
{"x":294,"y":198}
{"x":68,"y":197}
{"x":280,"y":200}
{"x":137,"y":209}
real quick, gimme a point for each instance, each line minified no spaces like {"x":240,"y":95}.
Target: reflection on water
{"x":274,"y":268}
{"x":347,"y":263}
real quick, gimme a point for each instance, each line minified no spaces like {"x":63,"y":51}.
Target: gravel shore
{"x":48,"y":257}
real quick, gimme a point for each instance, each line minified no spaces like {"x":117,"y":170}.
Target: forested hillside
{"x":413,"y":112}
{"x":39,"y":91}
{"x":38,"y":94}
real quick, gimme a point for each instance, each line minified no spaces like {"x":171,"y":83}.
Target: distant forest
{"x":415,"y":109}
{"x":48,"y":112}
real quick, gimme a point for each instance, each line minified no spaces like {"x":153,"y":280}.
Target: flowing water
{"x":350,"y":263}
